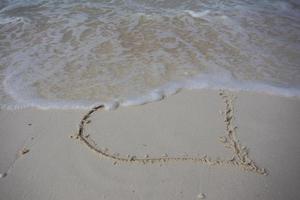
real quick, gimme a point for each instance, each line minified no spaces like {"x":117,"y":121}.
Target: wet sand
{"x":193,"y":145}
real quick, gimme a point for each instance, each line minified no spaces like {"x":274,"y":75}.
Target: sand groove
{"x":239,"y":159}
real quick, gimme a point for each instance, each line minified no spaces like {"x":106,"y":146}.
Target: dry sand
{"x":194,"y":145}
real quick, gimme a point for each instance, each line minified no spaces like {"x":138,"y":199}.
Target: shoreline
{"x":189,"y":122}
{"x":163,"y":92}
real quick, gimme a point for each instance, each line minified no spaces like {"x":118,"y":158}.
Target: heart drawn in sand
{"x":240,"y":157}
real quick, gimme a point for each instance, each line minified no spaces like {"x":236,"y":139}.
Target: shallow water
{"x":56,"y":54}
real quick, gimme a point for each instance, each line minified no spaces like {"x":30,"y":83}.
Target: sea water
{"x":77,"y":54}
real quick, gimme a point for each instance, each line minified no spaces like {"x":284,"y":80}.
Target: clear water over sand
{"x":56,"y":54}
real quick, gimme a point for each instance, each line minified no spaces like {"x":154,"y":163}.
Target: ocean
{"x":78,"y":54}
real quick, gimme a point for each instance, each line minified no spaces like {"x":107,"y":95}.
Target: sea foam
{"x":74,"y":55}
{"x":204,"y":81}
{"x":198,"y":14}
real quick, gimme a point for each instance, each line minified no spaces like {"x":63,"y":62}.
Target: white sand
{"x":58,"y":167}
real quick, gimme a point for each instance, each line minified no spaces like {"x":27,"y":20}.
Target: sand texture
{"x":198,"y":144}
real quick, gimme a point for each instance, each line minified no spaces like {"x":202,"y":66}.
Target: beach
{"x":149,"y":99}
{"x":42,"y":155}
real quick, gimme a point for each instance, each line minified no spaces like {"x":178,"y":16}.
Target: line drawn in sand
{"x":240,"y":157}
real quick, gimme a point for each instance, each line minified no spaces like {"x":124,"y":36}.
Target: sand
{"x":198,"y":144}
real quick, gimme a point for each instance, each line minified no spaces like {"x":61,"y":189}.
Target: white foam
{"x":198,"y":14}
{"x":7,"y":20}
{"x":203,"y":81}
{"x":216,"y":82}
{"x":51,"y":72}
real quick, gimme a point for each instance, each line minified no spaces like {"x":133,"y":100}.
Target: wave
{"x":198,"y":14}
{"x":203,"y":81}
{"x":62,"y":55}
